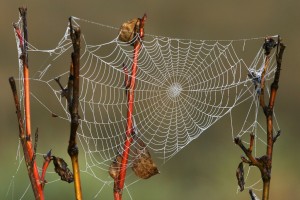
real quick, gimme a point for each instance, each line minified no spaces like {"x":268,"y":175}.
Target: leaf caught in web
{"x":114,"y":168}
{"x":61,"y":168}
{"x":128,"y":29}
{"x":143,"y":165}
{"x":240,"y":176}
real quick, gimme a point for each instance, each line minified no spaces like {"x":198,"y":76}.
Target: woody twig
{"x":25,"y":129}
{"x":73,"y":102}
{"x":264,"y":163}
{"x":130,"y":29}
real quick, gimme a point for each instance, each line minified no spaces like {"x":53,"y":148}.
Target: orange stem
{"x":27,"y":100}
{"x":26,"y":137}
{"x":47,"y":160}
{"x":129,"y":130}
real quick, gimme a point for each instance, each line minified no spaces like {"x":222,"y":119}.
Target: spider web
{"x":183,"y":87}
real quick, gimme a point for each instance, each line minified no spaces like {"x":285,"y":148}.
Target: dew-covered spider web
{"x":183,"y":87}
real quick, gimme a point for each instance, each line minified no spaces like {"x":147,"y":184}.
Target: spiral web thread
{"x":183,"y":87}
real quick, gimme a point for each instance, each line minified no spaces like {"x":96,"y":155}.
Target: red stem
{"x":27,"y":100}
{"x":129,"y":130}
{"x":18,"y":32}
{"x":23,"y":37}
{"x":129,"y":117}
{"x":45,"y":167}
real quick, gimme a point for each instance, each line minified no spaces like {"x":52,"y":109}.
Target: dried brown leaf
{"x":128,"y":30}
{"x":114,"y":168}
{"x":143,"y":165}
{"x":61,"y":168}
{"x":240,"y":176}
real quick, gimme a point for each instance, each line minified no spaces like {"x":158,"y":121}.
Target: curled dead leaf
{"x":114,"y":168}
{"x":143,"y":165}
{"x":128,"y":30}
{"x":61,"y":168}
{"x":240,"y":176}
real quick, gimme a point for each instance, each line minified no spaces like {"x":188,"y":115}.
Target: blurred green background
{"x":205,"y":169}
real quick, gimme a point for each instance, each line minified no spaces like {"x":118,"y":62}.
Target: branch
{"x":73,"y":101}
{"x":252,"y":160}
{"x":268,"y":46}
{"x":64,"y":92}
{"x":139,"y":26}
{"x":24,"y":58}
{"x":71,"y":93}
{"x":264,"y":163}
{"x":47,"y":160}
{"x":274,"y":87}
{"x":25,"y":133}
{"x":266,"y":173}
{"x":28,"y":154}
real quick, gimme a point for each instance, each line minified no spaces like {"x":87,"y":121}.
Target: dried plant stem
{"x":31,"y":166}
{"x":129,"y":115}
{"x":129,"y":130}
{"x":25,"y":135}
{"x":268,"y":110}
{"x":73,"y":100}
{"x":24,"y":57}
{"x":264,"y":163}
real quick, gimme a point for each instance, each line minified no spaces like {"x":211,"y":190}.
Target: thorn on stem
{"x":36,"y":138}
{"x":64,"y":91}
{"x":245,"y":160}
{"x":276,"y":136}
{"x":48,"y":155}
